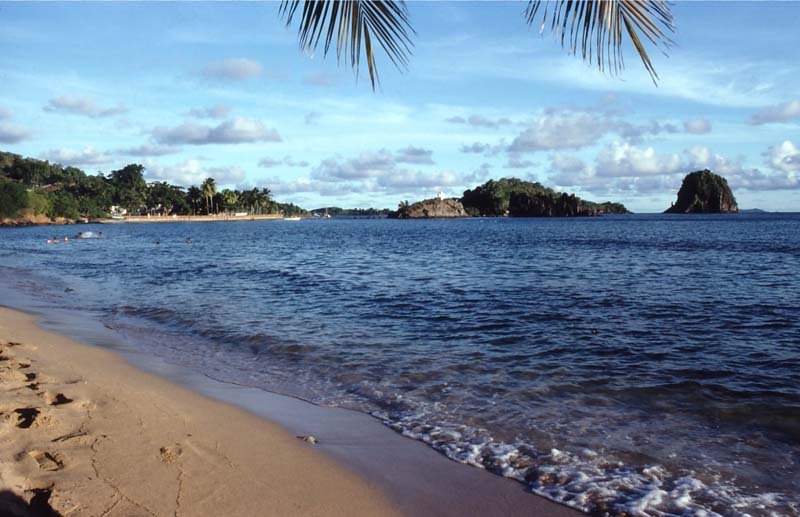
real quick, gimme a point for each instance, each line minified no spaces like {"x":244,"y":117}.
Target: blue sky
{"x":222,"y":90}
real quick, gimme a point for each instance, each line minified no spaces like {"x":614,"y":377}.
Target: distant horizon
{"x":222,"y":90}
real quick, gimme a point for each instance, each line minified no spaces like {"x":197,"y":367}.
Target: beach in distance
{"x":598,"y":381}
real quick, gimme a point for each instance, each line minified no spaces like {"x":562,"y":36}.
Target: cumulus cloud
{"x":622,"y":159}
{"x":697,"y":126}
{"x":413,"y":154}
{"x":475,"y":148}
{"x":784,"y":157}
{"x":86,"y":156}
{"x":623,"y":168}
{"x":234,"y":131}
{"x":381,"y":171}
{"x":12,"y":134}
{"x":479,"y":121}
{"x":562,"y":129}
{"x":778,"y":113}
{"x":268,"y":162}
{"x":85,"y":106}
{"x":191,"y":172}
{"x":218,"y":111}
{"x":148,"y":150}
{"x":234,"y":69}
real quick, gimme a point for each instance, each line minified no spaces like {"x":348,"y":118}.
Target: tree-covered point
{"x":335,"y":211}
{"x":38,"y":187}
{"x":516,"y":197}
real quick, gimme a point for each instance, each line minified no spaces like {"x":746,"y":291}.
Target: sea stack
{"x":704,"y":192}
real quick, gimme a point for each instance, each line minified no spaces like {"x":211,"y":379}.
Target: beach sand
{"x":84,"y":433}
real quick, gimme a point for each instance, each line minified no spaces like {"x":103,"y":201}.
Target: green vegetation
{"x":515,"y":197}
{"x":335,"y":211}
{"x":35,"y":187}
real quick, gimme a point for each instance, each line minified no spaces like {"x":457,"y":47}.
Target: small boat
{"x":293,"y":218}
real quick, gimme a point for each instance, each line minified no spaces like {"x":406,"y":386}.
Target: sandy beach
{"x":84,"y":433}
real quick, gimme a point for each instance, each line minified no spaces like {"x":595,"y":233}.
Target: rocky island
{"x":703,"y":192}
{"x":508,"y":197}
{"x":436,"y":207}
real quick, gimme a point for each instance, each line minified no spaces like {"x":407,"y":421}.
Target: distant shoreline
{"x":45,"y":221}
{"x":189,"y":218}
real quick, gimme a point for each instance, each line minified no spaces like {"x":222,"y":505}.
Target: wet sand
{"x":84,"y":432}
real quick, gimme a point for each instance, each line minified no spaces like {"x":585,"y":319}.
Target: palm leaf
{"x":595,"y":28}
{"x":349,"y":24}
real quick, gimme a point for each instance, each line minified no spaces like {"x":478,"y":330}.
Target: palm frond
{"x":349,"y":24}
{"x":595,"y":28}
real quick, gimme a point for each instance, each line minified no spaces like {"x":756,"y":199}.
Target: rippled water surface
{"x":641,"y":364}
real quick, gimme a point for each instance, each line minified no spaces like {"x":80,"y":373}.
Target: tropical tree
{"x":193,"y":197}
{"x":592,"y":28}
{"x":129,"y":187}
{"x":209,"y":189}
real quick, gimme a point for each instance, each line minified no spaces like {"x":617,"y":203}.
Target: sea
{"x":633,"y":364}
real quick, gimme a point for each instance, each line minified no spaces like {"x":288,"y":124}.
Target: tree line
{"x":43,"y":188}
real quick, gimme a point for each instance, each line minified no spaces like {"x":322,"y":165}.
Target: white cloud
{"x":479,"y":121}
{"x":191,"y":172}
{"x":12,"y":134}
{"x":5,"y":113}
{"x":777,"y":113}
{"x":623,"y":168}
{"x":413,"y":154}
{"x":87,"y":156}
{"x":218,"y":111}
{"x":78,"y":105}
{"x":268,"y":162}
{"x":562,"y":129}
{"x":234,"y":69}
{"x":235,"y":131}
{"x":148,"y":150}
{"x":784,"y":157}
{"x":697,"y":126}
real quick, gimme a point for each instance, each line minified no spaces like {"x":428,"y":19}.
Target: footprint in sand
{"x":26,"y":416}
{"x":47,"y":461}
{"x":55,"y":399}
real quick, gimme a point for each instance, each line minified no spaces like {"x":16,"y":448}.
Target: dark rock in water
{"x":519,"y":198}
{"x":430,"y":208}
{"x":704,"y":192}
{"x":522,"y":204}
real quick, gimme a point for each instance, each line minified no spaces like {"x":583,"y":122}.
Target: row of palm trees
{"x":253,"y":201}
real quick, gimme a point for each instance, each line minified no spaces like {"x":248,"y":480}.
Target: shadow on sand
{"x":13,"y":505}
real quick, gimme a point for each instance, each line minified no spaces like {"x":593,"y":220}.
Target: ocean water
{"x":647,"y":365}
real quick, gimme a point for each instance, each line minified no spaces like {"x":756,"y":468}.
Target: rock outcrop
{"x":430,"y":208}
{"x":704,"y":192}
{"x":518,"y":198}
{"x":522,"y":204}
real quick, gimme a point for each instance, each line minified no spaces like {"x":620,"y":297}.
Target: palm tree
{"x":593,"y":28}
{"x":193,"y":196}
{"x":209,"y":188}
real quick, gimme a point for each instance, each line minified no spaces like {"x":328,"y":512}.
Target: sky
{"x":224,"y":90}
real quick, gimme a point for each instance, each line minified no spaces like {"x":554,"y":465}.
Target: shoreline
{"x":387,"y":471}
{"x":85,"y":433}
